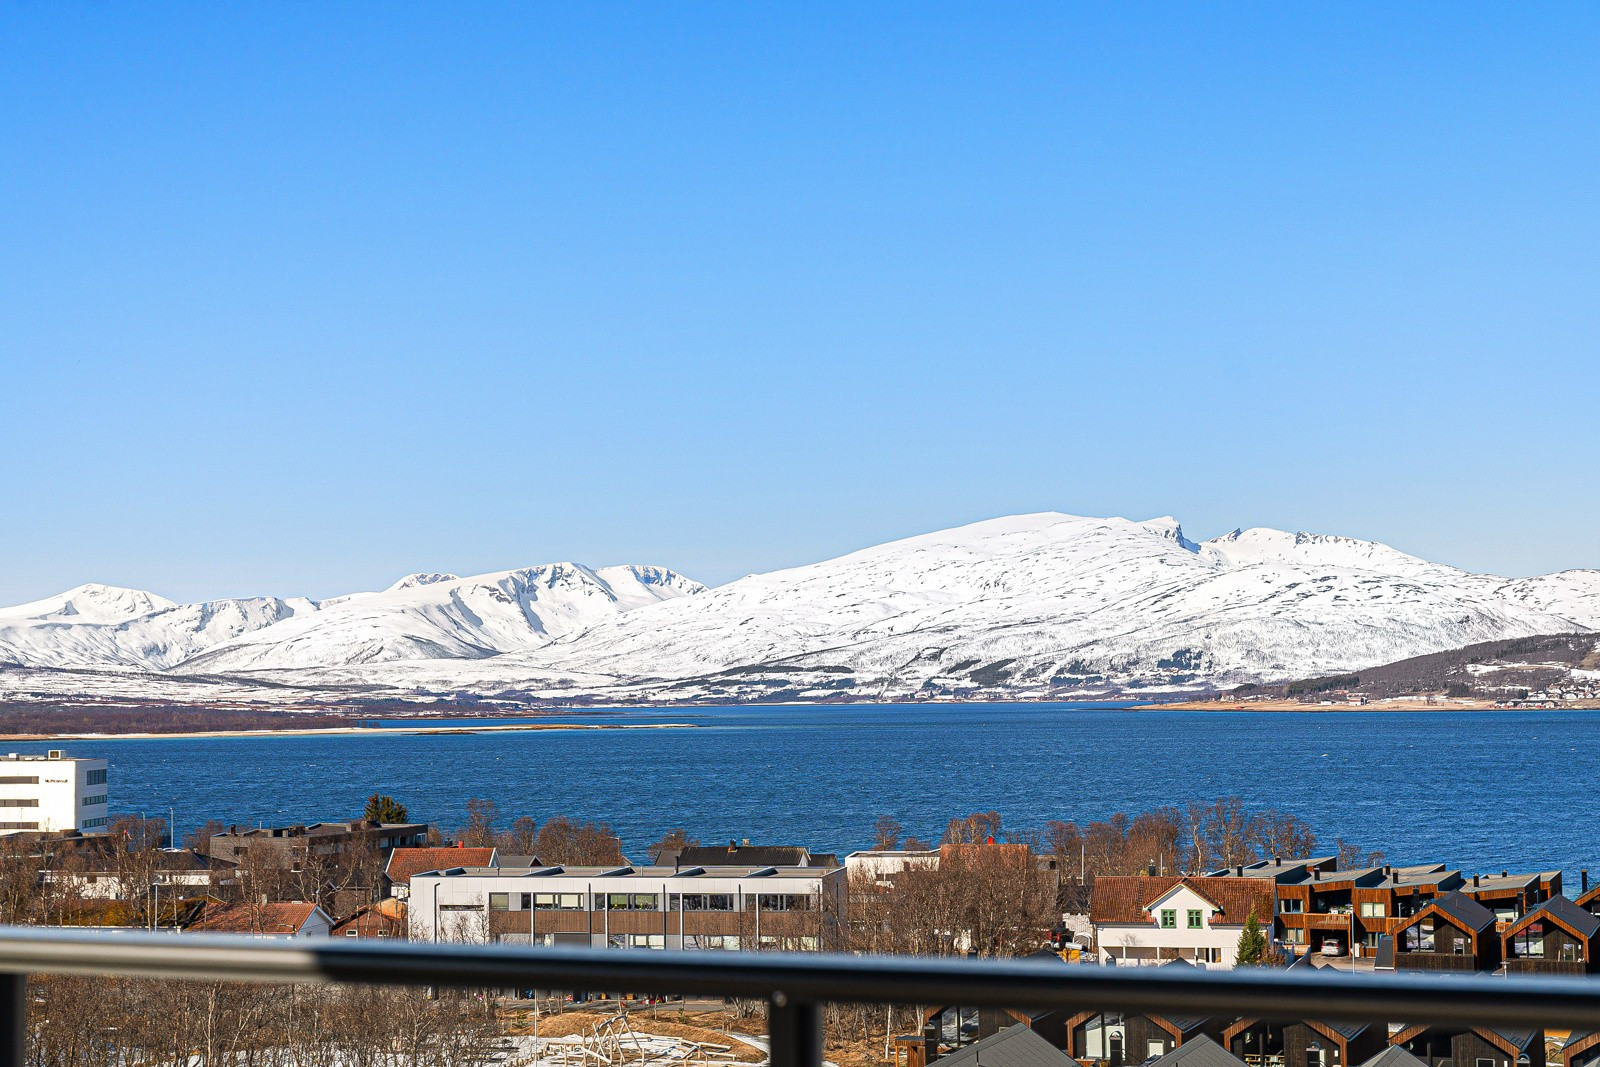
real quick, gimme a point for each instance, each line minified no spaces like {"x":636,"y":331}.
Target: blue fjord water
{"x":1479,"y":790}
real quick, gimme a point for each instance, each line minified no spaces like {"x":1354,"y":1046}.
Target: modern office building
{"x":51,"y":793}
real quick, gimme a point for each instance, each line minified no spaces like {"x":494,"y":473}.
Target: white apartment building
{"x":788,"y":908}
{"x":52,"y":792}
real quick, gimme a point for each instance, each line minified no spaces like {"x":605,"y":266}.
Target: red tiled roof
{"x":277,"y":918}
{"x":407,"y":862}
{"x":1124,"y":898}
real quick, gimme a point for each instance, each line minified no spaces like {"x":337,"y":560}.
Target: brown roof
{"x":285,"y":917}
{"x":404,"y":863}
{"x":369,"y":921}
{"x":1123,"y":898}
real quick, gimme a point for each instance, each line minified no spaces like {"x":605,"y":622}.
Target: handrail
{"x":819,"y":978}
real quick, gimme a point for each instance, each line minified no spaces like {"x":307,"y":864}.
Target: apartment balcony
{"x":795,"y":987}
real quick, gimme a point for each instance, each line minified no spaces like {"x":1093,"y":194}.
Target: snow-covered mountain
{"x":440,"y":616}
{"x":422,"y":615}
{"x":1035,"y":605}
{"x":1031,"y":605}
{"x":102,"y":626}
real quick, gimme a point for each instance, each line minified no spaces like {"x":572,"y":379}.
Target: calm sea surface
{"x":1479,"y":790}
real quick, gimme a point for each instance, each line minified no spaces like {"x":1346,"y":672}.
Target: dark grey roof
{"x":1344,"y":1030}
{"x":1468,"y":912}
{"x":1015,"y":1046}
{"x":1394,"y":1056}
{"x":1578,"y":918}
{"x":753,"y":855}
{"x":1199,"y":1052}
{"x":1186,"y":1023}
{"x":1520,"y":1039}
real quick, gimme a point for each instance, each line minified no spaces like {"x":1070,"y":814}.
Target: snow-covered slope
{"x":102,"y":626}
{"x":1035,"y":604}
{"x":441,"y":616}
{"x":1032,"y":605}
{"x":422,"y":615}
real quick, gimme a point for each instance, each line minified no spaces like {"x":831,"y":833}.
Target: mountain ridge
{"x":1035,"y":606}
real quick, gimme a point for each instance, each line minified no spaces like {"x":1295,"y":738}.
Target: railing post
{"x":794,"y":1032}
{"x":13,"y":1019}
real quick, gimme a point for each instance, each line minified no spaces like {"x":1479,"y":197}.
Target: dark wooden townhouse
{"x":1588,"y":896}
{"x":1557,"y":937}
{"x":1307,"y":1043}
{"x":1582,"y":1049}
{"x":1455,"y":1046}
{"x":1201,"y":1052}
{"x":1015,"y":1046}
{"x":1512,"y":895}
{"x":1345,"y":911}
{"x":1454,"y":933}
{"x":1112,"y":1039}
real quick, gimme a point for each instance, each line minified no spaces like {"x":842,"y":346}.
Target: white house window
{"x":1196,"y":919}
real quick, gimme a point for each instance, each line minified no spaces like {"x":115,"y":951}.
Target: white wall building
{"x":51,"y":793}
{"x":791,"y":908}
{"x":1145,"y":920}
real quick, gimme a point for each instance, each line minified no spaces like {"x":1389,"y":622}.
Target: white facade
{"x":629,"y":907}
{"x":51,"y":793}
{"x":881,"y":865}
{"x":1177,"y":925}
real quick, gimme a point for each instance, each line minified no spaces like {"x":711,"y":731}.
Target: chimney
{"x":1316,"y":875}
{"x":1474,"y":881}
{"x":1277,"y":861}
{"x":746,"y":842}
{"x":930,"y":1041}
{"x":1238,"y":872}
{"x":1150,"y":871}
{"x":1583,"y":879}
{"x":1504,"y":873}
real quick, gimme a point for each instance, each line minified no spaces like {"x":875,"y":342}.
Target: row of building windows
{"x":19,"y":802}
{"x":19,"y":826}
{"x":90,"y":824}
{"x":90,"y":802}
{"x":1367,"y":909}
{"x":699,"y":902}
{"x":20,"y":779}
{"x":94,"y":777}
{"x":1195,"y":919}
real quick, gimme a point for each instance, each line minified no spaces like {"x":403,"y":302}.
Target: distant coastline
{"x":350,"y":731}
{"x":1411,"y":704}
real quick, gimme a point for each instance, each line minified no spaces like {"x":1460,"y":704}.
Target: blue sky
{"x":299,"y":298}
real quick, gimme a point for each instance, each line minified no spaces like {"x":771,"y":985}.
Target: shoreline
{"x":350,"y":731}
{"x":1388,"y":705}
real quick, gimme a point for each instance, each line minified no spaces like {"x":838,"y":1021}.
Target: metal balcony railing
{"x":794,"y":986}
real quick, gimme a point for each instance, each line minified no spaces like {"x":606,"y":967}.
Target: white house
{"x":52,"y":792}
{"x":1149,"y":919}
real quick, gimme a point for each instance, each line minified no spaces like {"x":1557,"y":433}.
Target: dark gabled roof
{"x":747,"y":856}
{"x":1015,"y":1046}
{"x":1465,"y":910}
{"x":1519,"y":1039}
{"x":1394,"y":1056}
{"x":1199,"y":1052}
{"x":1345,"y":1030}
{"x":1565,"y":912}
